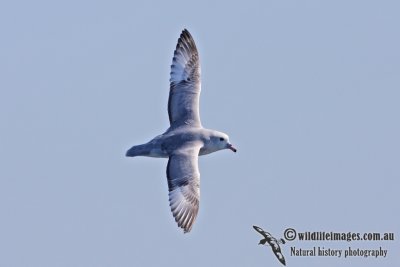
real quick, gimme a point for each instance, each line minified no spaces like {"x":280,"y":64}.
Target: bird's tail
{"x":140,"y":150}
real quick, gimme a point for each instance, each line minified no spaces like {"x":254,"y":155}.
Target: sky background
{"x":308,"y":91}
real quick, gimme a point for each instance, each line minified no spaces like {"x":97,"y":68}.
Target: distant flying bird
{"x":268,"y":238}
{"x":185,"y":139}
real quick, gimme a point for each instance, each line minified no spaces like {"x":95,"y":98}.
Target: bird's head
{"x":262,"y":241}
{"x":221,"y":141}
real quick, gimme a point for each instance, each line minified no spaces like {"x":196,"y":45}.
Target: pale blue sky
{"x":308,"y":91}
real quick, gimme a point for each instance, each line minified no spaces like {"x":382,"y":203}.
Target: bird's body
{"x":185,"y":139}
{"x":162,"y":146}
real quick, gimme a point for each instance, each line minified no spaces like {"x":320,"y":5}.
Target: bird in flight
{"x":273,"y":242}
{"x":186,"y":139}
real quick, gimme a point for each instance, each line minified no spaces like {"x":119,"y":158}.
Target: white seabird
{"x":185,"y":139}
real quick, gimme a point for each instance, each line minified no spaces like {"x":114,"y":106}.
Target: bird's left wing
{"x":184,"y":94}
{"x":278,"y":253}
{"x":184,"y":184}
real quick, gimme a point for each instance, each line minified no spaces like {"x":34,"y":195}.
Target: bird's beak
{"x":231,"y":147}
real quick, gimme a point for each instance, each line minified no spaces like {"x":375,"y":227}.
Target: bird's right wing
{"x":184,"y":184}
{"x":261,"y":231}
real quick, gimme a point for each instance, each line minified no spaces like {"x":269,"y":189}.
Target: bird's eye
{"x":221,"y":139}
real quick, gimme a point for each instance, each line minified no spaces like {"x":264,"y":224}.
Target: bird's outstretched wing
{"x":185,"y":85}
{"x":184,"y":184}
{"x":278,"y":253}
{"x":261,"y":231}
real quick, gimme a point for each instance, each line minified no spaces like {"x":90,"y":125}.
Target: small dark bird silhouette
{"x":273,"y":242}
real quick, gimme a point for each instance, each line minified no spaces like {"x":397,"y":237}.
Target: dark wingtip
{"x":186,"y":35}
